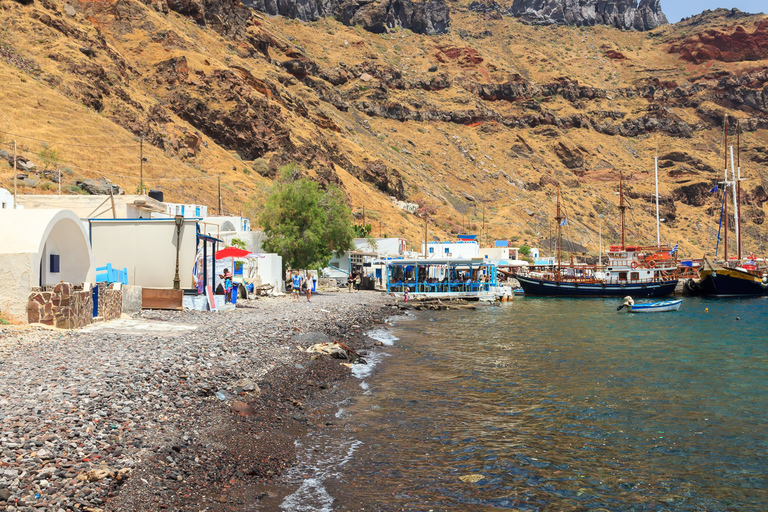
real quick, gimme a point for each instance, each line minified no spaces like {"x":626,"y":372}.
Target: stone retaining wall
{"x":110,"y":301}
{"x":63,"y":307}
{"x":66,"y":307}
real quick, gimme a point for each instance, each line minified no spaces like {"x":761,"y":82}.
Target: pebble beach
{"x":172,"y":410}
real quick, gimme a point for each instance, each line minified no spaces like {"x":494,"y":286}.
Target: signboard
{"x":211,"y":298}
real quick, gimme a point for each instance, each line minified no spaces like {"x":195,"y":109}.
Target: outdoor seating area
{"x":447,"y":277}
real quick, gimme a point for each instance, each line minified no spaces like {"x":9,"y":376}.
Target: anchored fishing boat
{"x":631,"y":270}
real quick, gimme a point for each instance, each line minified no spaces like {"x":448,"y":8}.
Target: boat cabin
{"x":638,"y":264}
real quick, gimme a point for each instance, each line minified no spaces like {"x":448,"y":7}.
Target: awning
{"x":232,"y":252}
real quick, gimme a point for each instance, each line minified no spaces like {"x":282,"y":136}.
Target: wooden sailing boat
{"x":732,"y":278}
{"x":631,"y":270}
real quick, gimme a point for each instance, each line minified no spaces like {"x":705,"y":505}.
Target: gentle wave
{"x":382,"y":335}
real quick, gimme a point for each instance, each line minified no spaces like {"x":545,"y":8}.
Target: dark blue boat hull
{"x":729,"y":284}
{"x":548,"y":288}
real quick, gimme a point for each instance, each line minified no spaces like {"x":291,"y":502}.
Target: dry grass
{"x":440,"y":162}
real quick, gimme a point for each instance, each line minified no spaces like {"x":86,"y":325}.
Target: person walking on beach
{"x":307,"y":284}
{"x":296,"y":284}
{"x":357,"y":282}
{"x":350,"y":282}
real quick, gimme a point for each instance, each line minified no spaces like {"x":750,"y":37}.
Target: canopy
{"x":232,"y":252}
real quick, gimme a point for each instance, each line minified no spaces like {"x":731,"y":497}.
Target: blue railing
{"x":108,"y":274}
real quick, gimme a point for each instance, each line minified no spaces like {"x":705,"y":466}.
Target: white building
{"x":6,"y":200}
{"x":191,"y":211}
{"x":98,"y":206}
{"x":40,"y":248}
{"x":146,"y":248}
{"x":381,"y":246}
{"x":455,"y":249}
{"x":215,"y":226}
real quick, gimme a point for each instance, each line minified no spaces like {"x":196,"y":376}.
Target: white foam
{"x":310,"y":497}
{"x":323,"y":458}
{"x":382,"y":335}
{"x":361,"y":371}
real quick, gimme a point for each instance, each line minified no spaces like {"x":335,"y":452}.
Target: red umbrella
{"x":231,"y":252}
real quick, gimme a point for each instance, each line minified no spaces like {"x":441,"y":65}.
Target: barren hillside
{"x":482,"y":120}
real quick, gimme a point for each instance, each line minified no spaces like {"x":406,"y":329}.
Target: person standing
{"x":357,"y":282}
{"x":350,"y":282}
{"x":296,"y":284}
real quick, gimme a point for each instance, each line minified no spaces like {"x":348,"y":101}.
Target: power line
{"x":115,"y":175}
{"x":66,"y":143}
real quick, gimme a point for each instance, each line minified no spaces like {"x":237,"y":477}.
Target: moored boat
{"x":721,"y":281}
{"x":631,"y":270}
{"x":732,"y":278}
{"x":651,"y":307}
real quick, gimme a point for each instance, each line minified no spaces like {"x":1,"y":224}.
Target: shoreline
{"x":120,"y":418}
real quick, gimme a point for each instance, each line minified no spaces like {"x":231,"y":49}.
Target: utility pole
{"x":425,"y":235}
{"x":141,"y":165}
{"x":485,"y":239}
{"x":219,"y":179}
{"x":14,"y":174}
{"x":60,"y":181}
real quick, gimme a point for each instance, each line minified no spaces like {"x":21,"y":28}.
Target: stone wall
{"x":64,"y":307}
{"x":110,"y":301}
{"x":67,"y":307}
{"x":131,"y":299}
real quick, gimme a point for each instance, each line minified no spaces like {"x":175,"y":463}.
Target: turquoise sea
{"x":559,"y":404}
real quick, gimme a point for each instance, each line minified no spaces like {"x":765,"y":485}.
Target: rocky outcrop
{"x":725,"y":45}
{"x":422,"y":17}
{"x":623,"y":14}
{"x":385,"y":179}
{"x":227,"y":17}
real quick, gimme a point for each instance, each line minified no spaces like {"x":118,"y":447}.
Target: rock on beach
{"x":129,"y":419}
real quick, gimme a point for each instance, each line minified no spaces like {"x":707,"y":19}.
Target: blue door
{"x":95,"y":295}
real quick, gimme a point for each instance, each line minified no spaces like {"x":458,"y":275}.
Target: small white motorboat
{"x":652,"y":307}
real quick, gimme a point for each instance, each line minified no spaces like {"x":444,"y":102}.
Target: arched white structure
{"x":32,"y":242}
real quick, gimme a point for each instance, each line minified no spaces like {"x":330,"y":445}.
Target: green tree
{"x":237,"y":242}
{"x":363,"y":231}
{"x":303,"y":223}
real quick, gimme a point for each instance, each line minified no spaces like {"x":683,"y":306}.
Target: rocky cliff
{"x":623,"y":14}
{"x":488,"y":117}
{"x":422,"y":17}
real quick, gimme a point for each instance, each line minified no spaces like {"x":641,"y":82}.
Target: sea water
{"x":556,"y":404}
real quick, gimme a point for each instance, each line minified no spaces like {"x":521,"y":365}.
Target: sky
{"x":676,"y":9}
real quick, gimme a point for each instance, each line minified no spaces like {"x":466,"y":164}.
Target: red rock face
{"x":615,"y":55}
{"x":735,"y":46}
{"x":468,"y":57}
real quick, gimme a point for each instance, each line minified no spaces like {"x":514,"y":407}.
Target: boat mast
{"x":559,"y":219}
{"x":738,"y":188}
{"x":725,"y":190}
{"x":735,"y":205}
{"x":622,"y":207}
{"x":658,"y":232}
